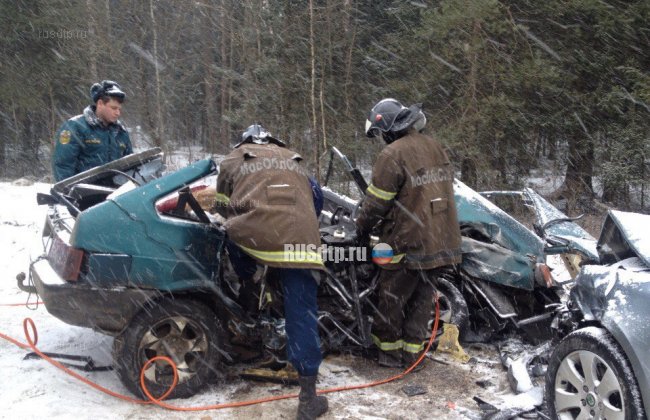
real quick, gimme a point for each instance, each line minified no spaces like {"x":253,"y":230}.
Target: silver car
{"x":601,"y":367}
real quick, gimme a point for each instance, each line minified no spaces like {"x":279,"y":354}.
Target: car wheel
{"x":186,"y":331}
{"x":589,"y":376}
{"x":453,"y":307}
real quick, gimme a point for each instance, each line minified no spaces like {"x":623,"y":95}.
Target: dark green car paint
{"x":167,"y":253}
{"x":513,"y":252}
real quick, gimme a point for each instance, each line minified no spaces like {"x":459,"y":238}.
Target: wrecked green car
{"x":131,"y":253}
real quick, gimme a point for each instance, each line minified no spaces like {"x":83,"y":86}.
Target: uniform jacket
{"x":265,"y":194}
{"x":83,"y":143}
{"x":412,"y":191}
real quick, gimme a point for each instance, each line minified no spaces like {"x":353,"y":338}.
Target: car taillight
{"x":65,"y":260}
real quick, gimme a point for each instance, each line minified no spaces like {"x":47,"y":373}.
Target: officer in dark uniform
{"x":93,"y":138}
{"x":265,"y":194}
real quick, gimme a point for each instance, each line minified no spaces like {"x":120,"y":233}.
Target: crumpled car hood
{"x":625,"y":235}
{"x":606,"y":292}
{"x":572,"y":232}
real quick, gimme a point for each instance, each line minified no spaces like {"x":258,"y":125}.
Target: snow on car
{"x":601,"y":366}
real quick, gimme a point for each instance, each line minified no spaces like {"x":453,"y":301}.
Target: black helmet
{"x":106,"y":87}
{"x":257,"y":134}
{"x":390,"y":119}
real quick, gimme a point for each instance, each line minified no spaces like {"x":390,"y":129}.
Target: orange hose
{"x":31,"y":344}
{"x":21,"y":304}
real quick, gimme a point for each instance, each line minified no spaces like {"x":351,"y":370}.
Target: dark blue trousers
{"x":301,"y":322}
{"x":300,"y":310}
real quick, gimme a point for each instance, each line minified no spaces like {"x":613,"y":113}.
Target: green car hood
{"x":495,"y":246}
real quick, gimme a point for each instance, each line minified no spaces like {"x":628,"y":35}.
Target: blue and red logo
{"x":382,"y":254}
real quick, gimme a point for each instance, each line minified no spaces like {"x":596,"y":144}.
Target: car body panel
{"x":578,"y":238}
{"x":617,"y":296}
{"x":147,"y":163}
{"x":133,"y":254}
{"x":167,"y":253}
{"x":510,"y":257}
{"x":105,"y":309}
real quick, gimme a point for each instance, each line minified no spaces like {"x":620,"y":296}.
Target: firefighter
{"x":264,"y":193}
{"x":95,"y":137}
{"x":410,"y":204}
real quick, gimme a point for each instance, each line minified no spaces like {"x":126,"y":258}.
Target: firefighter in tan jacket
{"x":410,"y":202}
{"x":264,"y":193}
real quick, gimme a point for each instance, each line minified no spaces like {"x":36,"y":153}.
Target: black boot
{"x":409,"y":358}
{"x":310,"y":405}
{"x":391,"y":359}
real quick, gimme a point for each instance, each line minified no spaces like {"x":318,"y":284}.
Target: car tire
{"x":453,"y":307}
{"x":186,"y":331}
{"x":609,"y":391}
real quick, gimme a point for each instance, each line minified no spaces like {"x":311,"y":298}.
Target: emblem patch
{"x":64,"y":137}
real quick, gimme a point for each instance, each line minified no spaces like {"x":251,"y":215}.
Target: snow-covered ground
{"x":33,"y":389}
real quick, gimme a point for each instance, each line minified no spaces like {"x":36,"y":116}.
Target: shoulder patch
{"x":64,"y":137}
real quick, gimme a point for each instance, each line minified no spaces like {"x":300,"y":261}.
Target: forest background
{"x":510,"y":87}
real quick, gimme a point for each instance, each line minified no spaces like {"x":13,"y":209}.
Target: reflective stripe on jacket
{"x":412,"y":194}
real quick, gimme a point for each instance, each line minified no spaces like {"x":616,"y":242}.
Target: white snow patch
{"x":525,"y":401}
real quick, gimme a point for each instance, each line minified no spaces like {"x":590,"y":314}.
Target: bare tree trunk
{"x":314,"y":124}
{"x":159,"y":129}
{"x":210,"y":106}
{"x":209,"y":81}
{"x":348,"y":71}
{"x":469,"y":172}
{"x":643,"y":181}
{"x":17,"y":129}
{"x":52,"y":126}
{"x":93,"y":41}
{"x":552,"y":147}
{"x":577,"y":187}
{"x":3,"y":151}
{"x":223,"y":56}
{"x":108,"y":49}
{"x":109,"y":27}
{"x":228,"y":88}
{"x":322,"y":112}
{"x":469,"y":169}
